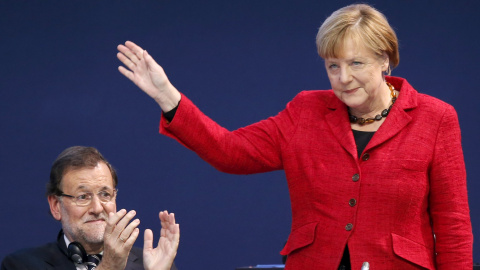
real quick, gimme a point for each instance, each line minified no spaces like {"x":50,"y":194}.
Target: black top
{"x":361,"y":140}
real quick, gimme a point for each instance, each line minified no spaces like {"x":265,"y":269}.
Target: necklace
{"x":378,"y":117}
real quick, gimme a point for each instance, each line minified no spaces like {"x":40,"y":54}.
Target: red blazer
{"x":402,"y":205}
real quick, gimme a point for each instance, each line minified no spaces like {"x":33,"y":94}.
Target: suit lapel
{"x":134,"y":261}
{"x":62,"y":265}
{"x":58,"y":258}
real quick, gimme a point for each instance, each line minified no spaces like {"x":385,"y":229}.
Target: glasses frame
{"x":74,"y":198}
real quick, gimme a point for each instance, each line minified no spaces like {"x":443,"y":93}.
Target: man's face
{"x":84,"y":224}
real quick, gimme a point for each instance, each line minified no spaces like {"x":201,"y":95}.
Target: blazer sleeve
{"x":448,"y":197}
{"x":252,"y":149}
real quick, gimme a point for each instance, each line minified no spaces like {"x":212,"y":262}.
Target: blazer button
{"x":365,"y":156}
{"x":349,"y":227}
{"x":355,"y":177}
{"x":352,"y":202}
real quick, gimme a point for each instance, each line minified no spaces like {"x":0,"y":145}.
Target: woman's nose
{"x":345,"y":75}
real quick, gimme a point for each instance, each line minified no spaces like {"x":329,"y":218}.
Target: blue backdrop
{"x":239,"y":61}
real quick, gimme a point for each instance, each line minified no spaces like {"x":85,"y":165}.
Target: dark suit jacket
{"x":54,"y":256}
{"x":409,"y":182}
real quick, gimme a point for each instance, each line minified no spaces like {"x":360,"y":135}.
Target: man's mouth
{"x":96,"y":220}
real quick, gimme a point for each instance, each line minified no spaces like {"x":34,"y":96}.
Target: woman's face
{"x":356,"y":77}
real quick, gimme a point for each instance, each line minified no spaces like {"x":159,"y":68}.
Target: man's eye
{"x":105,"y":194}
{"x":84,"y":197}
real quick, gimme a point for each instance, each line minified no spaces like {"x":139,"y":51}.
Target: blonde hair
{"x":365,"y":25}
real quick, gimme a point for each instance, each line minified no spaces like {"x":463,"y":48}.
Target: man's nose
{"x":96,"y":205}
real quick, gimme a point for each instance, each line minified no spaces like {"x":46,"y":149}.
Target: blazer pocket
{"x":413,"y":251}
{"x":410,"y":164}
{"x":299,"y":238}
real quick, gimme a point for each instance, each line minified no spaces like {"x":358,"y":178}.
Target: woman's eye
{"x":333,"y":66}
{"x":356,"y":63}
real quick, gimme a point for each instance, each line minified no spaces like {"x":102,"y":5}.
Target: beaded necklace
{"x":378,"y":117}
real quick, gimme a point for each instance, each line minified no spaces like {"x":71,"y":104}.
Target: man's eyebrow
{"x":82,"y":187}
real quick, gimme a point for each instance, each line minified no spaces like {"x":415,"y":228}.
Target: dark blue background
{"x":239,"y":61}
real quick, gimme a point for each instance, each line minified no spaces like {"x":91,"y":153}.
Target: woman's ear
{"x":54,"y":203}
{"x":385,"y":62}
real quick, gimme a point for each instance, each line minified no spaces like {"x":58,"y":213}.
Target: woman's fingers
{"x":137,"y":50}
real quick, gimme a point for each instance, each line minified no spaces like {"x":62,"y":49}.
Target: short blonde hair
{"x":365,"y":25}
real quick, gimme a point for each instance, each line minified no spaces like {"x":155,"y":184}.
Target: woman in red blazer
{"x":375,"y":170}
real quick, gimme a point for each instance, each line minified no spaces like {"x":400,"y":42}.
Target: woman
{"x":375,"y":169}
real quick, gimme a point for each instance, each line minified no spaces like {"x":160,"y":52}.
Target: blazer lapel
{"x":398,"y":117}
{"x":337,"y":120}
{"x":395,"y":122}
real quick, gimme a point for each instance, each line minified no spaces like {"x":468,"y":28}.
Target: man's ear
{"x":54,"y":203}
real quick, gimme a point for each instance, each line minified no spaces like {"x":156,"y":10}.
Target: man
{"x":82,"y":196}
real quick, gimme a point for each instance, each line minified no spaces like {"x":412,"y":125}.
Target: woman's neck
{"x":375,"y":107}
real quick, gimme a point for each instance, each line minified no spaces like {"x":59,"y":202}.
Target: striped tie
{"x":93,"y":261}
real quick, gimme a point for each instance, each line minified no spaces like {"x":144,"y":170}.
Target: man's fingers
{"x":163,"y":215}
{"x":170,"y":229}
{"x":148,"y":240}
{"x":123,"y":222}
{"x":176,"y":235}
{"x":171,"y":218}
{"x":113,"y":218}
{"x":132,"y":238}
{"x":129,"y":230}
{"x":164,"y":221}
{"x":118,"y":227}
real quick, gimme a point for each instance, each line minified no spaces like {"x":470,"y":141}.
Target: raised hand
{"x":147,"y":75}
{"x":120,"y":234}
{"x":161,"y":257}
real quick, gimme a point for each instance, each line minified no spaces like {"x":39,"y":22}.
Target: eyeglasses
{"x":84,"y":199}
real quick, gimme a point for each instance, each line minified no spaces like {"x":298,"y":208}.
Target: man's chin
{"x":94,"y":234}
{"x":94,"y":238}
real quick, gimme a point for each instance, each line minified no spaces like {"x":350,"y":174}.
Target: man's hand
{"x":147,"y":75}
{"x":161,"y":257}
{"x":119,"y":237}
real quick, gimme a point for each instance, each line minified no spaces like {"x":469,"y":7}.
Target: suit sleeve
{"x":252,"y":149}
{"x":10,"y":262}
{"x":448,"y":198}
{"x":6,"y":263}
